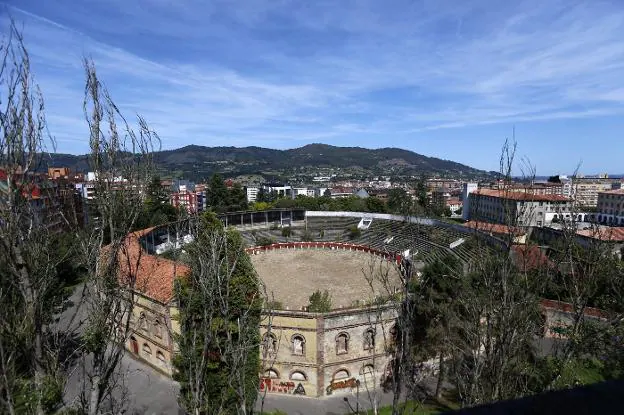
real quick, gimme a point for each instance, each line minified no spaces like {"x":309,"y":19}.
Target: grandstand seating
{"x":428,"y":241}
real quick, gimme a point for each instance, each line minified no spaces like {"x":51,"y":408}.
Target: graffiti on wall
{"x":342,"y":384}
{"x":278,"y":386}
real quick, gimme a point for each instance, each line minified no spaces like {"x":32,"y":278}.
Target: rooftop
{"x":154,"y":275}
{"x":520,"y":195}
{"x":493,"y":228}
{"x":604,"y":233}
{"x":613,"y":192}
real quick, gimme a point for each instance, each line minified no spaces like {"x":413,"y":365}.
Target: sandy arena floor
{"x":293,"y":275}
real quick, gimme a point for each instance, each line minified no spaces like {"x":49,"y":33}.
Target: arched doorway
{"x":134,"y":345}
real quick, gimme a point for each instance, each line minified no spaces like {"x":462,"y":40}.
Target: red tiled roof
{"x":519,"y":195}
{"x":529,"y":257}
{"x":493,"y":228}
{"x":613,"y":192}
{"x":154,"y":275}
{"x":567,"y":308}
{"x":607,"y":234}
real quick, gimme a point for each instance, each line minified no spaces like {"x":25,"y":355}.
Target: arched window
{"x":369,"y":339}
{"x":269,"y":343}
{"x":157,"y":329}
{"x":271,"y":373}
{"x":161,"y":357}
{"x":298,"y":375}
{"x":146,"y":349}
{"x":342,"y":343}
{"x":340,"y":375}
{"x":298,"y":344}
{"x":142,"y":322}
{"x":368,"y":371}
{"x":134,"y":345}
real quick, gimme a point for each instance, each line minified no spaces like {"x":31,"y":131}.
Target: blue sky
{"x":448,"y":79}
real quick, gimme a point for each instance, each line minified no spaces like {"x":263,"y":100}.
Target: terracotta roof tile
{"x":493,"y":228}
{"x":613,"y":192}
{"x":529,"y":257}
{"x":607,"y":234}
{"x":567,"y":308}
{"x":520,"y":195}
{"x":154,"y":275}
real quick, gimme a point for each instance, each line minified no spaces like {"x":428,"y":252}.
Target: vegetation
{"x":354,"y":232}
{"x":320,"y":302}
{"x":221,"y":199}
{"x":198,"y":162}
{"x":220,"y":305}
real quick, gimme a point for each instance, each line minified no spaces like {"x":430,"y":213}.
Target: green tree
{"x":320,"y":302}
{"x":237,"y":198}
{"x":220,"y":310}
{"x":433,"y":317}
{"x":422,"y":198}
{"x":399,"y":201}
{"x":374,"y":204}
{"x":217,"y":194}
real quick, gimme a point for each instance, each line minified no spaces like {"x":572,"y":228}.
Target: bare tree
{"x":121,"y":163}
{"x":31,"y":377}
{"x":497,"y":309}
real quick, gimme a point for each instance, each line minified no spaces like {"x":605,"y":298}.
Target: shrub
{"x":354,"y":232}
{"x":307,"y":236}
{"x":320,"y":302}
{"x":264,"y":241}
{"x":286,"y":232}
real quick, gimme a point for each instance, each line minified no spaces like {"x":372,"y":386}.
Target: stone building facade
{"x":320,"y":354}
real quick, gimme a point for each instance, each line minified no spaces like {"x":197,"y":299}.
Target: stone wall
{"x":342,"y":350}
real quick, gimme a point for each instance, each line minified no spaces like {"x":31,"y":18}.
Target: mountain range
{"x":198,"y":162}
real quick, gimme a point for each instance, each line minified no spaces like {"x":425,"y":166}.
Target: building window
{"x":368,"y":371}
{"x":298,"y":375}
{"x":298,"y":344}
{"x":147,"y":350}
{"x":157,"y":329}
{"x":269,"y":343}
{"x":340,"y":375}
{"x":161,"y":357}
{"x":342,"y":343}
{"x":369,"y":339}
{"x":271,"y":374}
{"x":143,"y":322}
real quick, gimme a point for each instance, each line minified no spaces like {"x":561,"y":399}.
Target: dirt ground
{"x":293,"y":275}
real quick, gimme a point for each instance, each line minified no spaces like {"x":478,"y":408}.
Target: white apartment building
{"x":505,"y":207}
{"x":611,"y":207}
{"x":252,"y":194}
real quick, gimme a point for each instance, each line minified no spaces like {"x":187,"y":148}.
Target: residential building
{"x":585,"y":189}
{"x":439,"y":197}
{"x":59,"y":172}
{"x":252,"y":193}
{"x":449,"y":184}
{"x":454,"y":204}
{"x":610,"y":207}
{"x":516,"y":207}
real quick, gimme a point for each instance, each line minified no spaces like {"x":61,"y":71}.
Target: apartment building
{"x":585,"y":190}
{"x":610,"y":207}
{"x":507,"y":207}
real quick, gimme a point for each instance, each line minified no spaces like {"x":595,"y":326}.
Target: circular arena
{"x":353,"y":275}
{"x":295,"y":253}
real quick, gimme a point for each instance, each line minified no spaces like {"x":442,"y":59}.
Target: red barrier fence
{"x":324,"y":245}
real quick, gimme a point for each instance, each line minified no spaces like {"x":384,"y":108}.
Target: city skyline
{"x":450,"y":82}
